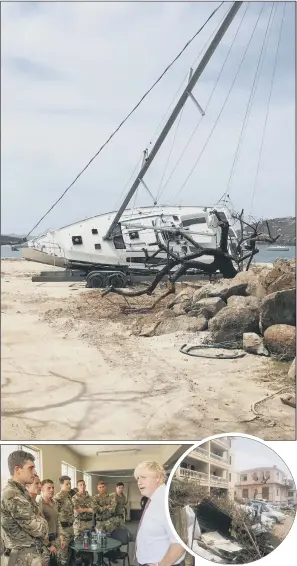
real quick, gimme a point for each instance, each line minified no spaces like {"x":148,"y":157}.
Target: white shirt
{"x":155,"y":534}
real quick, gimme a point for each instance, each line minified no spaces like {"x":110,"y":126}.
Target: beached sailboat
{"x":110,"y":246}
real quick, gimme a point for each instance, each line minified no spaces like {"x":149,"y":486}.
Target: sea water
{"x":6,"y":251}
{"x":267,"y":256}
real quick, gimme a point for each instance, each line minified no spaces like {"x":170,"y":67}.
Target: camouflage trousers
{"x":66,"y":534}
{"x":23,"y":557}
{"x":80,"y":526}
{"x":108,"y":525}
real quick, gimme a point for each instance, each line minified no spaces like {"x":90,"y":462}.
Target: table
{"x":111,"y":544}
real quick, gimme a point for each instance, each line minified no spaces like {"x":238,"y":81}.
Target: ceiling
{"x":92,"y":449}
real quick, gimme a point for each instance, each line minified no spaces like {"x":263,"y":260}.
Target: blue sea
{"x":264,"y":255}
{"x":267,"y":256}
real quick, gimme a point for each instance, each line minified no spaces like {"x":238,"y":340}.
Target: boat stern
{"x":44,"y":250}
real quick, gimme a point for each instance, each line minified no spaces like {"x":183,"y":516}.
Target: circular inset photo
{"x":231,"y":500}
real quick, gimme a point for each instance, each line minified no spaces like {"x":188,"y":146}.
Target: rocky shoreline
{"x":255,"y":311}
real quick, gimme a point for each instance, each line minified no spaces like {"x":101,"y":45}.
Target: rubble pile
{"x":222,"y":531}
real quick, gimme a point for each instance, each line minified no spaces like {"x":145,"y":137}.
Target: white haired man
{"x":156,"y":544}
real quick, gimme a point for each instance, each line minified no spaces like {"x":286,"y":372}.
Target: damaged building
{"x":269,"y":483}
{"x":211,"y":465}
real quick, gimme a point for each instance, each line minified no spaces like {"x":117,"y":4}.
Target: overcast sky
{"x":249,"y":454}
{"x":72,"y":71}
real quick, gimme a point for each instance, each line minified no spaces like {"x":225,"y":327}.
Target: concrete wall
{"x":52,"y":458}
{"x":276,"y":493}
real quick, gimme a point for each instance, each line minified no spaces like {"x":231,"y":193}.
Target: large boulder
{"x":179,"y":309}
{"x":280,"y":341}
{"x":182,"y":297}
{"x":236,"y":301}
{"x":278,"y":308}
{"x":209,"y":290}
{"x":207,"y":307}
{"x":251,"y":279}
{"x":280,"y":277}
{"x":224,"y":290}
{"x":253,"y":344}
{"x":181,"y":323}
{"x":229,"y":325}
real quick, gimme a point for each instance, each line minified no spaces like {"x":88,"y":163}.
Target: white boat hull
{"x":32,"y":254}
{"x":83,"y":243}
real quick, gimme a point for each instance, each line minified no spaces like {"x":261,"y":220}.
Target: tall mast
{"x":192,"y":82}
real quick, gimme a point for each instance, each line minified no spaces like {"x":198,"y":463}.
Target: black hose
{"x":218,"y":356}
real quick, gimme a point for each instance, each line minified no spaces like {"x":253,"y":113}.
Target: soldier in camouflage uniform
{"x":121,"y":502}
{"x":104,"y":506}
{"x":34,"y":489}
{"x":24,"y":531}
{"x":51,"y":515}
{"x":83,"y":511}
{"x":64,"y":504}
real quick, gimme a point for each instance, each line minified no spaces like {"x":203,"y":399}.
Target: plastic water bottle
{"x":104,"y":540}
{"x":99,"y":537}
{"x":94,"y":540}
{"x":86,"y":540}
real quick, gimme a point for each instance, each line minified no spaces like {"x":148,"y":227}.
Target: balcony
{"x":204,"y":479}
{"x":192,"y":474}
{"x":216,"y":480}
{"x":201,"y":451}
{"x":205,"y":456}
{"x":221,"y":459}
{"x":200,"y":454}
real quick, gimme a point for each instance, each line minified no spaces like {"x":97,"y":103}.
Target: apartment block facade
{"x":269,"y":483}
{"x":210,"y":464}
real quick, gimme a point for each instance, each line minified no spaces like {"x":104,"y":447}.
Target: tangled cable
{"x":216,"y":356}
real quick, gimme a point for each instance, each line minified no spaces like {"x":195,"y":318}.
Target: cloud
{"x":72,"y":71}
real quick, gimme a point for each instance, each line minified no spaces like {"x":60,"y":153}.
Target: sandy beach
{"x":73,"y":369}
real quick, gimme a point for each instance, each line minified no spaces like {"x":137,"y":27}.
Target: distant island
{"x":285,"y":226}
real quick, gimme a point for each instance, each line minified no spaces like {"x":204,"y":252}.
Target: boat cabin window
{"x":190,"y":221}
{"x":97,"y":246}
{"x":118,"y":239}
{"x":77,"y":240}
{"x":134,"y":235}
{"x":94,"y":231}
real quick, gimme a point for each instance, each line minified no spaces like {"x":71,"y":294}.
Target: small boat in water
{"x":278,"y":249}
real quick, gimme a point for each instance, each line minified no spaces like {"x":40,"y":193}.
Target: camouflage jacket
{"x":65,"y":507}
{"x":22,"y":526}
{"x":81,"y":501}
{"x":121,"y":502}
{"x":104,"y":506}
